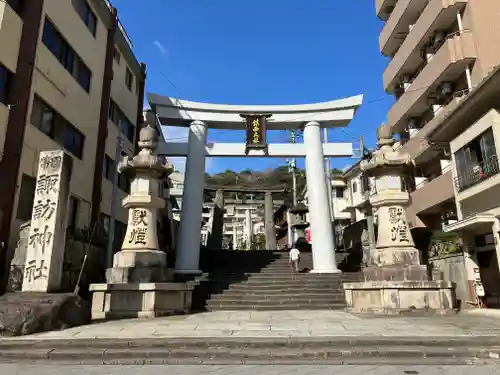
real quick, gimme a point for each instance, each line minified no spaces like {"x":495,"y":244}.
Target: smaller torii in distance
{"x":217,"y":225}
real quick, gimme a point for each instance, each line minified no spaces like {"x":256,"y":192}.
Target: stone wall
{"x":453,"y":269}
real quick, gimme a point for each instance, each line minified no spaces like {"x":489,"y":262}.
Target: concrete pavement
{"x":265,"y":337}
{"x":284,"y":324}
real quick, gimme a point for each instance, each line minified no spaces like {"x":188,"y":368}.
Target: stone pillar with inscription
{"x":394,"y":277}
{"x":47,"y":235}
{"x":139,"y":283}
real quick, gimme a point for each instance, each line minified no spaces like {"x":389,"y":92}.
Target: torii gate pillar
{"x":188,"y":248}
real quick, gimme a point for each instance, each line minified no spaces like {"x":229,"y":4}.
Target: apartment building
{"x":474,"y":130}
{"x":439,"y":51}
{"x":68,"y":80}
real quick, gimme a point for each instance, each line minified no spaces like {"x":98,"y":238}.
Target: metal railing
{"x":120,"y":26}
{"x":480,"y":172}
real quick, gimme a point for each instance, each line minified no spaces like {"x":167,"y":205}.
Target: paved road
{"x":248,"y":370}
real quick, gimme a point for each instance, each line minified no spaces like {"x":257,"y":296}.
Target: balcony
{"x":417,"y":146}
{"x":477,"y":174}
{"x":11,"y":28}
{"x":437,"y":15}
{"x":430,"y":194}
{"x":396,"y":29}
{"x":384,"y":8}
{"x":447,"y":65}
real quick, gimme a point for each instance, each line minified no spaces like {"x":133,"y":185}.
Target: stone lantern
{"x":139,"y":283}
{"x":394,"y":277}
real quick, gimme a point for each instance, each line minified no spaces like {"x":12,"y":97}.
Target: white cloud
{"x":160,"y":47}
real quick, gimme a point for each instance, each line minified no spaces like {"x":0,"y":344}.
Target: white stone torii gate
{"x":201,"y":116}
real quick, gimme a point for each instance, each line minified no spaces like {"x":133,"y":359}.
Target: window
{"x":124,"y":182}
{"x":137,"y":86}
{"x":109,"y":170}
{"x":354,"y":187}
{"x":86,"y":14}
{"x":117,"y":56}
{"x":476,"y":161}
{"x":129,"y":79}
{"x":104,"y":224}
{"x":42,"y":117}
{"x":73,"y":140}
{"x":119,"y":232}
{"x":57,"y":127}
{"x":74,"y":204}
{"x":66,"y":55}
{"x":17,"y":5}
{"x":26,"y":197}
{"x":339,"y":192}
{"x":108,"y":167}
{"x":116,"y":115}
{"x":5,"y":82}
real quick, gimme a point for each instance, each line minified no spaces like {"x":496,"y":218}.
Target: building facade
{"x":474,"y":127}
{"x":439,"y":51}
{"x":68,"y":80}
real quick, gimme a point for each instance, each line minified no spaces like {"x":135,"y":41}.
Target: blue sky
{"x":262,"y":52}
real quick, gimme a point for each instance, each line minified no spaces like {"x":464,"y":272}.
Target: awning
{"x":472,"y":223}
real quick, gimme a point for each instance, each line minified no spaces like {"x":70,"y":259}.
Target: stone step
{"x":276,"y":285}
{"x":281,"y":291}
{"x":276,"y":350}
{"x":302,"y":276}
{"x":274,"y":307}
{"x":275,"y":300}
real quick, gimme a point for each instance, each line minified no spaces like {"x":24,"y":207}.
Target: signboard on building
{"x":256,"y":126}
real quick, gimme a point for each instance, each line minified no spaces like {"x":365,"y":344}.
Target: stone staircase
{"x":262,"y":280}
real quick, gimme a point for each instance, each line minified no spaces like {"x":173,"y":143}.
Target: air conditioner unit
{"x":445,"y":89}
{"x":406,"y":78}
{"x":412,"y":123}
{"x":438,"y":39}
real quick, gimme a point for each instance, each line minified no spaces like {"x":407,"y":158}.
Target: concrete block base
{"x":392,"y":297}
{"x":140,"y":300}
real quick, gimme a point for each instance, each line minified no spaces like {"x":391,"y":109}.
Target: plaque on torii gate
{"x":256,"y":126}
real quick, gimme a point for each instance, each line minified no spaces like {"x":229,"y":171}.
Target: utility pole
{"x":329,"y":190}
{"x":292,"y":165}
{"x":114,"y":201}
{"x":368,"y":210}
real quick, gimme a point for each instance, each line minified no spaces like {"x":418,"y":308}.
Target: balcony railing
{"x":120,"y":26}
{"x":477,"y":174}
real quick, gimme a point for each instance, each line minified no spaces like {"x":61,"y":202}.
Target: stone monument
{"x":139,"y":284}
{"x":47,"y":233}
{"x":395,"y":279}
